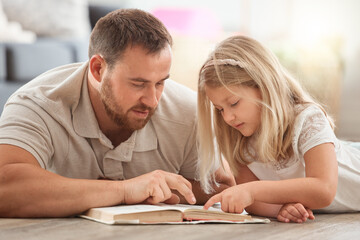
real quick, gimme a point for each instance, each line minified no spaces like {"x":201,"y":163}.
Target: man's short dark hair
{"x":124,"y":28}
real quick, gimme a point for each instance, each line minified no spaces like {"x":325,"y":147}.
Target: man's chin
{"x":138,"y":124}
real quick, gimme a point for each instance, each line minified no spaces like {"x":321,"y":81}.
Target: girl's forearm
{"x":264,"y":209}
{"x":311,"y":192}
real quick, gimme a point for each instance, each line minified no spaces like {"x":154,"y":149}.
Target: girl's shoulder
{"x":301,"y":109}
{"x":312,"y":127}
{"x":313,"y":113}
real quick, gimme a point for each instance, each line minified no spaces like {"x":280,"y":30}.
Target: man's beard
{"x":116,"y":113}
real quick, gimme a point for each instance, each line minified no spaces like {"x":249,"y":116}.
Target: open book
{"x":164,"y":213}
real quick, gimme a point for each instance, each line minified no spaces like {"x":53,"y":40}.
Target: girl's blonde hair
{"x":240,"y":60}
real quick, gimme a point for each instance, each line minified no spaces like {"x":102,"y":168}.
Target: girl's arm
{"x":245,"y":175}
{"x":284,"y":213}
{"x":316,"y":190}
{"x":290,"y":212}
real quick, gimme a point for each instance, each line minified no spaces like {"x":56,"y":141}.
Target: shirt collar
{"x":84,"y":119}
{"x":146,"y":138}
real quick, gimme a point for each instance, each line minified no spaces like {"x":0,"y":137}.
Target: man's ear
{"x":97,"y":66}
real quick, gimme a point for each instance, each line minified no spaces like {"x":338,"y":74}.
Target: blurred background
{"x":317,"y":40}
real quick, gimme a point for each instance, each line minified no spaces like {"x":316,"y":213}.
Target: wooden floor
{"x":325,"y":226}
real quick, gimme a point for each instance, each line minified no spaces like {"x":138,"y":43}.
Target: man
{"x":116,"y":117}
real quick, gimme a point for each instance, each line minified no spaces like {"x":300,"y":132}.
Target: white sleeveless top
{"x":311,"y":129}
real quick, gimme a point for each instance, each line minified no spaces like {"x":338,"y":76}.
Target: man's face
{"x":131,"y":90}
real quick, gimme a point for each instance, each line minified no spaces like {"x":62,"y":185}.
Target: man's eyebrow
{"x":145,"y":80}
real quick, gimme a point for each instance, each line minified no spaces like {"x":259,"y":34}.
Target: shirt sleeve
{"x":24,"y":127}
{"x":313,"y":129}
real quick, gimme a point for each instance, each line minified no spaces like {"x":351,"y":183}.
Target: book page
{"x":127,"y":209}
{"x":106,"y":212}
{"x":133,"y":214}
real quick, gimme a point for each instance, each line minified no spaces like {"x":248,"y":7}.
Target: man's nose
{"x":150,"y":97}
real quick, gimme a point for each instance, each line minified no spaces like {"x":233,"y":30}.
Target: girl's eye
{"x":219,"y":110}
{"x":234,"y":104}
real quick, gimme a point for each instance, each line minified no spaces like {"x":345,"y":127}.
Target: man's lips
{"x":142,"y":114}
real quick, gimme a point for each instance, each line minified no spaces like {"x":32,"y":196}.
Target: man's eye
{"x":138,"y":85}
{"x":162,"y":83}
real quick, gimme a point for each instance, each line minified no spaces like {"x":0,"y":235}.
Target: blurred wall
{"x":315,"y":39}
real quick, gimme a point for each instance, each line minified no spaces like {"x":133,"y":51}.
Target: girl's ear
{"x":97,"y":66}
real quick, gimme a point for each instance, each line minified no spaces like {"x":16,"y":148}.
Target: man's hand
{"x":155,"y":187}
{"x":294,"y":212}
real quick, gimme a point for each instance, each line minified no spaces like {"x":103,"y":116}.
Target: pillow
{"x":12,"y":31}
{"x":50,"y":18}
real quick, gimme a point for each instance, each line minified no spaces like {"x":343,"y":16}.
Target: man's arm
{"x":27,"y":190}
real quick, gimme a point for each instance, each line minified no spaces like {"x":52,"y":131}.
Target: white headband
{"x":226,"y":61}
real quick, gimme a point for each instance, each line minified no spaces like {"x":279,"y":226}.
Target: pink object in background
{"x":198,"y":22}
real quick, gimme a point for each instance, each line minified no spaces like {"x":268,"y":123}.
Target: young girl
{"x":277,"y":140}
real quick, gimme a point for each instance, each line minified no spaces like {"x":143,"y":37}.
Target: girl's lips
{"x":239,"y":125}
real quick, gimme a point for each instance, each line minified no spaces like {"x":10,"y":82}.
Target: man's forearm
{"x":30,"y":191}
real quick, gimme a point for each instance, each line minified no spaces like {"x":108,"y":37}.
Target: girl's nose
{"x":228,"y":116}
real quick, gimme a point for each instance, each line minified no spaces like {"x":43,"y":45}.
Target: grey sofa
{"x":19,"y":63}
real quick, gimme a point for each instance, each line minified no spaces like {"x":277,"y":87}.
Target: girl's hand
{"x":294,"y":212}
{"x":233,"y":199}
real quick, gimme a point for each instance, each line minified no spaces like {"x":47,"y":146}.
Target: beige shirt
{"x":52,"y":118}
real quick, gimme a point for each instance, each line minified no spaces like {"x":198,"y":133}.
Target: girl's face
{"x":240,"y":110}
